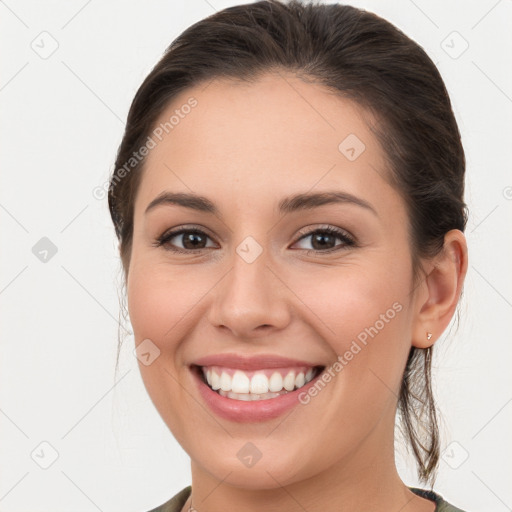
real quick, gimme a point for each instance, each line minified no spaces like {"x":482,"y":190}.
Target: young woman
{"x":288,"y":199}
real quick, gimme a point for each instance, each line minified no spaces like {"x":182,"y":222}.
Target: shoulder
{"x":441,"y":504}
{"x":175,"y":504}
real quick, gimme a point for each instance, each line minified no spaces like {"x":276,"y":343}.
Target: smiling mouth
{"x":264,"y":384}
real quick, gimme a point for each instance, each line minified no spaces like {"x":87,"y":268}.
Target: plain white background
{"x":68,"y":74}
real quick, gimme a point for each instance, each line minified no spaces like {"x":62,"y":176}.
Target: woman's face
{"x":263,"y":294}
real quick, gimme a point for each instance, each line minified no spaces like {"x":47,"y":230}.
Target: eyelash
{"x":347,"y":240}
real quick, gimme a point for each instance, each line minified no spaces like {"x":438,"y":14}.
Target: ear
{"x":437,"y":296}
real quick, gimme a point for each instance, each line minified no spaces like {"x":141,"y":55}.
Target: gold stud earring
{"x":429,"y":335}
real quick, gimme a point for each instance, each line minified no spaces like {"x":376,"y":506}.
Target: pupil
{"x":193,"y":238}
{"x":321,"y":239}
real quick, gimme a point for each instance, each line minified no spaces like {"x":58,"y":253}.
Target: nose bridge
{"x":250,"y":296}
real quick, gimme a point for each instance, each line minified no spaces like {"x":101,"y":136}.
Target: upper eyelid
{"x":186,"y":227}
{"x":325,"y":227}
{"x":302,"y":231}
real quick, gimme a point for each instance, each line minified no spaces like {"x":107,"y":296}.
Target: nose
{"x":251,"y":300}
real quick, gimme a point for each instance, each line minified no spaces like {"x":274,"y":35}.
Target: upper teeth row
{"x":259,"y":383}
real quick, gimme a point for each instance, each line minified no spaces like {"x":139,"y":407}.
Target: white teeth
{"x":276,"y":382}
{"x":240,"y":382}
{"x":239,"y":396}
{"x":225,"y":382}
{"x":215,"y":384}
{"x":247,"y":397}
{"x":258,"y":387}
{"x":289,"y":381}
{"x":259,"y":384}
{"x":300,"y":380}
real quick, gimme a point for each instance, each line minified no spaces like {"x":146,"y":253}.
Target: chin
{"x":271,"y":471}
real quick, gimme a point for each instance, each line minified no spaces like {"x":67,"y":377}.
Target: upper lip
{"x":257,"y":362}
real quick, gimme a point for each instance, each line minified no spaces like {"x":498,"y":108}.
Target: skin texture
{"x":246,"y":146}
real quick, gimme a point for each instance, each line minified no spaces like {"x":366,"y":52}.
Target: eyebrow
{"x":297,"y":202}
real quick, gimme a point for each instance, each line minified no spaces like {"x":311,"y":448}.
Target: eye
{"x":324,"y":239}
{"x":193,"y":239}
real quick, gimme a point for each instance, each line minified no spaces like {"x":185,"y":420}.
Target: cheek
{"x":350,"y":299}
{"x":161,"y":308}
{"x":159,"y":302}
{"x":366,"y":320}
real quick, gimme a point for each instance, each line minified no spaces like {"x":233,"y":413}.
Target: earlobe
{"x":441,"y":290}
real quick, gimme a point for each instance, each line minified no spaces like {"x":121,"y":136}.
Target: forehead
{"x":267,"y":137}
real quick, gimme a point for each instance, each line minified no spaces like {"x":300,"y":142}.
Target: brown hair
{"x":362,"y":57}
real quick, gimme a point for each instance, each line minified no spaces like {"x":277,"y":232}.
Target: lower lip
{"x":254,"y":411}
